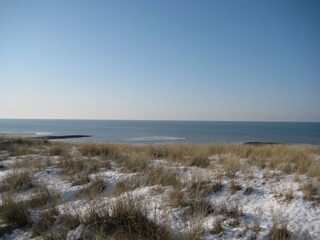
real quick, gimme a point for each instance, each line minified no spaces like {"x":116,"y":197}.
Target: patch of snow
{"x":75,"y":234}
{"x":17,"y":234}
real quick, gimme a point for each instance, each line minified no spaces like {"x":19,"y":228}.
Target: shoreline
{"x":75,"y":136}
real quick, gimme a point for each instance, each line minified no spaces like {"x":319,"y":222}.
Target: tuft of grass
{"x":279,"y":232}
{"x":256,"y":227}
{"x":234,"y":187}
{"x":21,"y":146}
{"x":136,"y":164}
{"x":217,"y":227}
{"x":42,"y":197}
{"x":201,"y":187}
{"x":311,"y":191}
{"x":232,"y":211}
{"x":126,"y":216}
{"x":71,"y":165}
{"x":13,"y":213}
{"x":162,"y":176}
{"x":80,"y":179}
{"x":58,"y":150}
{"x":45,"y":222}
{"x":200,"y":161}
{"x":106,"y":151}
{"x":17,"y":181}
{"x":94,"y":189}
{"x":217,"y":186}
{"x":199,"y":206}
{"x":231,"y":165}
{"x":287,"y":195}
{"x":125,"y":185}
{"x":249,"y":190}
{"x":195,"y":232}
{"x":196,"y":198}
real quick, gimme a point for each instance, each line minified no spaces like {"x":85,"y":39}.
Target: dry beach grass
{"x":110,"y":191}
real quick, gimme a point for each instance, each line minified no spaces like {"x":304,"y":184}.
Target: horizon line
{"x":157,"y":120}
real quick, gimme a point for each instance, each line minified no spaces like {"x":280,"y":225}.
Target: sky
{"x":247,"y":60}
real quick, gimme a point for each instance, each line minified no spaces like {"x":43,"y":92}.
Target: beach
{"x":71,"y":190}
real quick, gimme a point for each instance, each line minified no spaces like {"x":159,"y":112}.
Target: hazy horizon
{"x":167,"y":60}
{"x":160,"y":120}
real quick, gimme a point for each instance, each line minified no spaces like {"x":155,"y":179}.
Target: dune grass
{"x":160,"y":167}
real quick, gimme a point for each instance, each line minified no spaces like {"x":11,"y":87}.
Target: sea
{"x":160,"y":132}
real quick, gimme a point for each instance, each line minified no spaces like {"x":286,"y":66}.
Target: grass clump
{"x":311,"y":190}
{"x":17,"y":181}
{"x":41,"y":198}
{"x":94,"y":189}
{"x":279,"y":232}
{"x":217,"y":227}
{"x":199,"y":206}
{"x":200,"y":161}
{"x":58,"y":150}
{"x":45,"y":222}
{"x":21,"y":146}
{"x":217,"y":186}
{"x":136,"y":164}
{"x":248,"y":191}
{"x":195,"y":232}
{"x":165,"y":151}
{"x":127,"y":184}
{"x":126,"y":218}
{"x":162,"y":176}
{"x":107,"y":151}
{"x":233,"y":211}
{"x":13,"y":213}
{"x":234,"y":187}
{"x":80,"y":179}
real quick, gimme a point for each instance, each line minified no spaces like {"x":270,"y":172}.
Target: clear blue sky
{"x":174,"y":59}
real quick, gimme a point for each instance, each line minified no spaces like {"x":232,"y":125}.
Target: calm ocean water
{"x":144,"y":132}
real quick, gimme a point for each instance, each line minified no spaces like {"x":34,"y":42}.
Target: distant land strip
{"x":261,"y":143}
{"x":63,"y":136}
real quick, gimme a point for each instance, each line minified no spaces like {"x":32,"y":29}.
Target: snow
{"x":17,"y":234}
